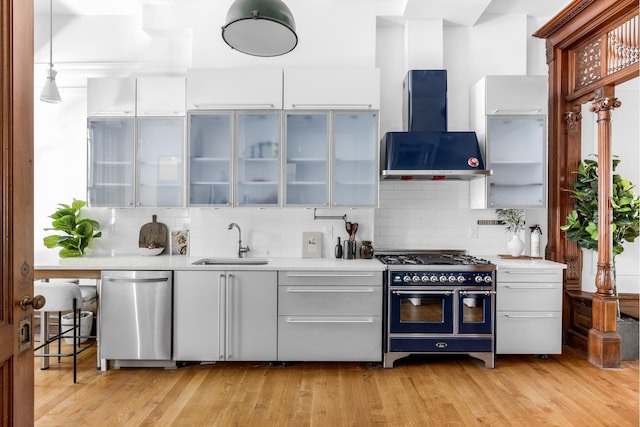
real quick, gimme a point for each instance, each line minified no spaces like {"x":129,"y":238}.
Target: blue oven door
{"x":475,"y":312}
{"x":421,"y":311}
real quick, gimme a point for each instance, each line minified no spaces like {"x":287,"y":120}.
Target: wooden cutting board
{"x":153,"y":233}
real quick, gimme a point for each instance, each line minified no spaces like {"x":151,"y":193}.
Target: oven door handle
{"x":487,"y":293}
{"x":445,"y":293}
{"x":304,"y":319}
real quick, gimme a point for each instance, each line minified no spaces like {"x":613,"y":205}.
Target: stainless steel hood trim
{"x":435,"y":175}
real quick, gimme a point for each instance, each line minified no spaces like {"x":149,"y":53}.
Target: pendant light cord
{"x":50,"y":35}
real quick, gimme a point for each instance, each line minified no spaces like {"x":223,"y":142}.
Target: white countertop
{"x":178,"y":262}
{"x":523,"y":263}
{"x":51,"y":261}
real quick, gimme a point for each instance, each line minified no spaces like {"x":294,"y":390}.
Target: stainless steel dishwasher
{"x":134,"y":326}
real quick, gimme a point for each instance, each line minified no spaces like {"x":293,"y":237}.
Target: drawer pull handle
{"x":530,"y":287}
{"x":328,"y":275}
{"x":331,"y":105}
{"x":529,"y":316}
{"x":225,"y":105}
{"x":329,"y":291}
{"x":329,"y":320}
{"x":528,"y":272}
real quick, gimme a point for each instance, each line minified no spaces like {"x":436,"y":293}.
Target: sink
{"x":231,"y":261}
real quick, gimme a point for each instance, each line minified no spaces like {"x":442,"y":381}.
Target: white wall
{"x":625,"y":134}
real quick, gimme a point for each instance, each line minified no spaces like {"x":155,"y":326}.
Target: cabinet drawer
{"x":304,"y":278}
{"x":329,"y":338}
{"x":528,"y":275}
{"x":347,"y":300}
{"x":524,"y":332}
{"x":529,"y":296}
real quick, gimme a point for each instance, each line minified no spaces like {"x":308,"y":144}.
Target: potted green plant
{"x":513,"y":220}
{"x":582,"y":222}
{"x":78,"y":231}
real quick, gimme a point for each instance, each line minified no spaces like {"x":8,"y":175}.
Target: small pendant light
{"x":260,"y":28}
{"x":50,"y":91}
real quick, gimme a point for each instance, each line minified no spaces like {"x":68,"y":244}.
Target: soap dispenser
{"x":338,"y":249}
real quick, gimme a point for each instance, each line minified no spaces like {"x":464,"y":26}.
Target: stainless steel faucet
{"x":242,"y":250}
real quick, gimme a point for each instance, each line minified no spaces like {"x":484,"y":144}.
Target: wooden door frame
{"x":578,"y":50}
{"x":16,"y":192}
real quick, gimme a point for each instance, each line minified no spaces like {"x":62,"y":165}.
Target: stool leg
{"x":59,"y":334}
{"x":76,"y":317}
{"x":44,"y":336}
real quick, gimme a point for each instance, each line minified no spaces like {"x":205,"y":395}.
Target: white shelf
{"x":306,"y":183}
{"x":210,"y":183}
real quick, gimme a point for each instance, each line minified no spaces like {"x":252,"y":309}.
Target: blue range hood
{"x":426,"y":150}
{"x":431,"y":155}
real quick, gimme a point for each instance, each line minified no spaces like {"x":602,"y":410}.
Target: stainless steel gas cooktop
{"x":433,"y":260}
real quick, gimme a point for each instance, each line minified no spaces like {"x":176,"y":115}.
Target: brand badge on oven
{"x":473,"y":162}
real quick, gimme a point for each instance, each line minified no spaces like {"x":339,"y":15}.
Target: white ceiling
{"x":465,"y":12}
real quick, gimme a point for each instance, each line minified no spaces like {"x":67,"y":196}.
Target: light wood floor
{"x":564,"y":390}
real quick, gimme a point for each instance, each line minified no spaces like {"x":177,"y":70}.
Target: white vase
{"x":515,"y":245}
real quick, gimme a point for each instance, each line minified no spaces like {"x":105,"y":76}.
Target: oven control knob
{"x":461,"y":279}
{"x":488,"y":279}
{"x":443,"y":278}
{"x":479,"y":279}
{"x":452,"y":279}
{"x":416,"y":278}
{"x":425,"y":278}
{"x":434,"y":278}
{"x":406,"y":279}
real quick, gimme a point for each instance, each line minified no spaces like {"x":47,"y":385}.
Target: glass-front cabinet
{"x":160,"y":162}
{"x":258,"y":158}
{"x":210,"y":171}
{"x":355,"y":165}
{"x":516,"y":155}
{"x":135,"y":142}
{"x":508,"y":114}
{"x":234,"y":158}
{"x":331,"y":158}
{"x":307,"y":159}
{"x":111,"y":168}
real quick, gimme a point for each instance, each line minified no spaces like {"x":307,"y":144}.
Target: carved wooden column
{"x":572,"y":252}
{"x":604,"y":341}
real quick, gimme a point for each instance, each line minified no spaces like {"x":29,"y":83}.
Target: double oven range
{"x":438,"y":302}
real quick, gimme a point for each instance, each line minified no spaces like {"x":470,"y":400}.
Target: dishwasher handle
{"x":132,"y":280}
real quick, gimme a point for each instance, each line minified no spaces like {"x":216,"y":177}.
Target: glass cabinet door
{"x":160,"y":161}
{"x":111,"y":162}
{"x":355,"y":152}
{"x":516,"y":156}
{"x":258,"y":158}
{"x":306,"y":167}
{"x":210,"y":142}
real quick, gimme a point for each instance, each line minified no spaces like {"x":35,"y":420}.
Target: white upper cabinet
{"x":508,"y":114}
{"x":317,"y":88}
{"x":112,"y":97}
{"x":234,"y":88}
{"x":515,"y":94}
{"x":161,"y":96}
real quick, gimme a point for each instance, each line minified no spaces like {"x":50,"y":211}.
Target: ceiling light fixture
{"x":50,"y":91}
{"x":260,"y":28}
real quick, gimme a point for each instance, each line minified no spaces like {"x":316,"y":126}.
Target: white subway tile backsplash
{"x":411,"y":215}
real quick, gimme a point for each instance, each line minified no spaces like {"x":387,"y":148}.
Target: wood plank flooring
{"x":564,"y":390}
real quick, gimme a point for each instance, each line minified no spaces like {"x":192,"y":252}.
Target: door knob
{"x":37,"y":302}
